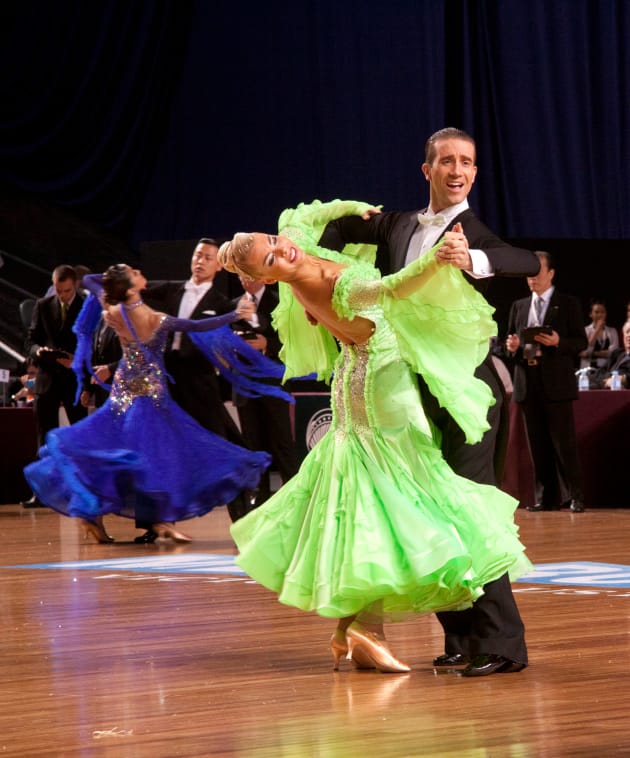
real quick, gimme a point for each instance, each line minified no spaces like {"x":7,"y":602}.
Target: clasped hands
{"x":245,"y":308}
{"x":454,"y":248}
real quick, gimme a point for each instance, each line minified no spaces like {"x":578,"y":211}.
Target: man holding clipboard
{"x":545,"y":337}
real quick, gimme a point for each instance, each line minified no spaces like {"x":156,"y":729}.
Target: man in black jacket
{"x":619,"y":361}
{"x":545,"y":385}
{"x":196,"y":387}
{"x":265,"y":420}
{"x":106,"y":352}
{"x":489,"y":637}
{"x":51,"y":344}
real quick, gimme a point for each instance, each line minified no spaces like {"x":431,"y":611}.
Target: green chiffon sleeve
{"x":306,"y":223}
{"x":308,"y":349}
{"x":443,"y":331}
{"x":442,"y":326}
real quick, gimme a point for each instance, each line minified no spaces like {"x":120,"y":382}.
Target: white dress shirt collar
{"x":449,"y":213}
{"x":199,"y":289}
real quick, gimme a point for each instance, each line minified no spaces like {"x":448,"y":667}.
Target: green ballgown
{"x":375,"y":518}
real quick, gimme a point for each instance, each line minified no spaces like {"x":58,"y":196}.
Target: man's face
{"x":451,"y":174}
{"x":66,"y":290}
{"x":204,"y":264}
{"x":251,"y":285}
{"x":543,"y":279}
{"x":626,"y":338}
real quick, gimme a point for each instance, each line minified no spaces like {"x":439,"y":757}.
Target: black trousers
{"x":552,"y":444}
{"x":61,"y":391}
{"x":266,"y":425}
{"x":493,"y":624}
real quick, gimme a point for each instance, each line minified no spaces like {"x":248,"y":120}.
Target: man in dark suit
{"x":489,"y":637}
{"x":196,"y":387}
{"x":51,"y":343}
{"x":619,"y":361}
{"x":265,"y":420}
{"x":545,"y":385}
{"x":106,"y":352}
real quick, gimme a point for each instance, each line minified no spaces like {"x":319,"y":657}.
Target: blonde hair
{"x":233,"y":254}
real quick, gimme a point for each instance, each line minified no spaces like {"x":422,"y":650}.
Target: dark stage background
{"x":130,"y":128}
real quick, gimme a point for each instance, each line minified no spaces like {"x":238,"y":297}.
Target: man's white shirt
{"x":192,"y":295}
{"x":425,"y":237}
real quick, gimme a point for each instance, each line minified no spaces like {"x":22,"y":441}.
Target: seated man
{"x":619,"y":361}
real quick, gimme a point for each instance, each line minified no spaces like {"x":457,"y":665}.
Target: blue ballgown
{"x":140,"y":455}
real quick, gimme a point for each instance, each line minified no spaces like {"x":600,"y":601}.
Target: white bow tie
{"x":437,"y":220}
{"x":196,"y":289}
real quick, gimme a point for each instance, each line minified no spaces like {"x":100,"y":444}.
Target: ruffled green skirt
{"x":375,"y":519}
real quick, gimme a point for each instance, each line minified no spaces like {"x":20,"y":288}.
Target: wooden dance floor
{"x":162,"y":650}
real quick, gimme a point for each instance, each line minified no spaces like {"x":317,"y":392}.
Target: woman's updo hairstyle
{"x":233,"y":254}
{"x":116,"y":284}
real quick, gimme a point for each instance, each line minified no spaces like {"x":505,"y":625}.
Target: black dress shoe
{"x":539,"y":507}
{"x":34,"y":502}
{"x":242,"y":504}
{"x":147,"y":538}
{"x":456,"y":659}
{"x":484,"y":665}
{"x":576,"y":506}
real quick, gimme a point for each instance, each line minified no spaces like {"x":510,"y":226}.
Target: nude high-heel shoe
{"x":96,"y":529}
{"x":339,"y":648}
{"x":368,"y":646}
{"x":167,"y":531}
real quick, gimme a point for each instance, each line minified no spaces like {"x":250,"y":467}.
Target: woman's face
{"x":138,"y":282}
{"x":272,"y":258}
{"x":598,"y":312}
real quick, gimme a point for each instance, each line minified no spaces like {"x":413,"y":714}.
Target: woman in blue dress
{"x":140,"y":455}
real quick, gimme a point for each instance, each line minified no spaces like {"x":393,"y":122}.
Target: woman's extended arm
{"x":411,"y":278}
{"x":202,"y":325}
{"x":365,"y":292}
{"x":93,"y":283}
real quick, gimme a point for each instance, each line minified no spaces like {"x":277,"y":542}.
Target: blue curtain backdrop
{"x":172,"y":119}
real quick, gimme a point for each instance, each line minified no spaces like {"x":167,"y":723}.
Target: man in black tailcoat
{"x":265,"y":420}
{"x":489,"y":637}
{"x":196,"y":386}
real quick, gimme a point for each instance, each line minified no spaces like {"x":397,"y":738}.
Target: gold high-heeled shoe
{"x":339,"y":648}
{"x":368,"y":645}
{"x":96,"y":529}
{"x":167,"y":531}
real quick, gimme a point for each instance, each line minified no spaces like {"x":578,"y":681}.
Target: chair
{"x":26,"y":311}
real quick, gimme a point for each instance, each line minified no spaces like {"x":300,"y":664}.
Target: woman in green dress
{"x":375,"y":526}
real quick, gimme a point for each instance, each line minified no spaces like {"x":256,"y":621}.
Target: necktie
{"x":253,"y":321}
{"x":538,"y":305}
{"x":64,"y":309}
{"x":437,"y":220}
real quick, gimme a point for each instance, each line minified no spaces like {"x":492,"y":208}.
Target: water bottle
{"x":583,"y":379}
{"x":615,"y":380}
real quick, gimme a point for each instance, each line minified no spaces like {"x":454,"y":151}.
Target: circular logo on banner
{"x":318,"y":425}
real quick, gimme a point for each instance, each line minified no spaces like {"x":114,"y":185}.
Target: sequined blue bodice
{"x":141,"y":371}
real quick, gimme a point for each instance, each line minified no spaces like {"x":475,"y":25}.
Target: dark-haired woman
{"x":140,"y":455}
